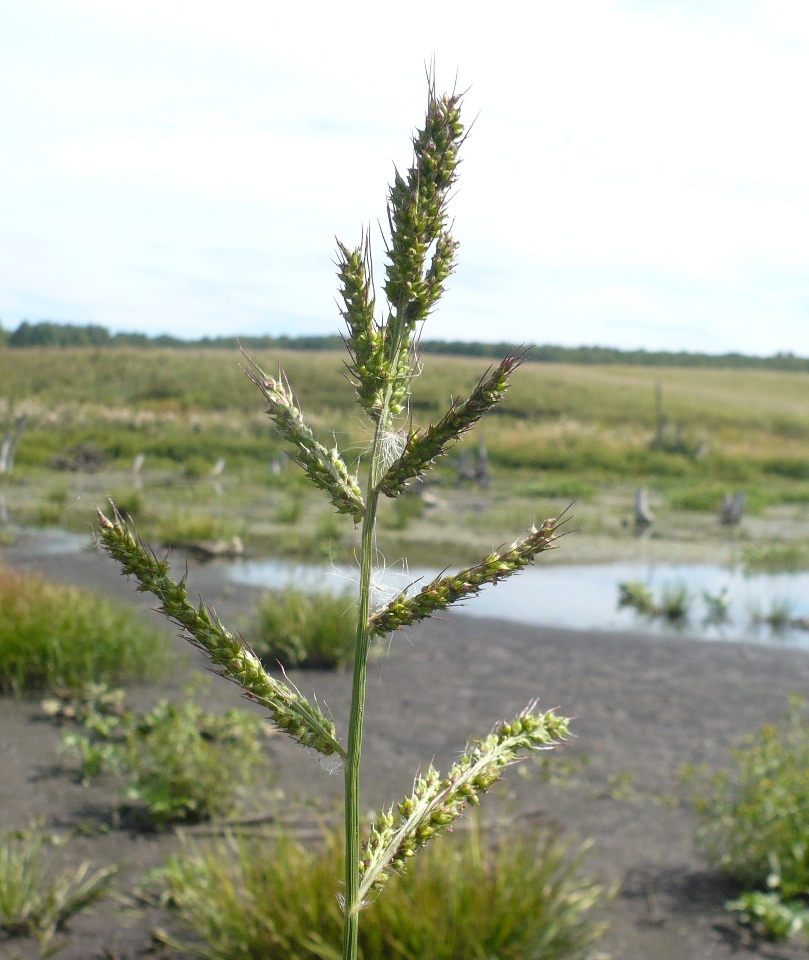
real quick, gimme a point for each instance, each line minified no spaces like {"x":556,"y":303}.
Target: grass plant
{"x":53,"y":635}
{"x":717,"y":606}
{"x":637,"y":596}
{"x":479,"y":896}
{"x":36,"y":898}
{"x":776,"y":557}
{"x":675,"y":602}
{"x":299,"y":629}
{"x":382,"y":366}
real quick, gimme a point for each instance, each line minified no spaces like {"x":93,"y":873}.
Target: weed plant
{"x":478,"y":896}
{"x":35,"y":898}
{"x":779,"y":615}
{"x":183,"y":530}
{"x":755,"y":814}
{"x":382,"y":367}
{"x":675,"y":602}
{"x":299,"y":629}
{"x":637,"y":596}
{"x":52,"y":635}
{"x":188,"y":765}
{"x":717,"y":606}
{"x":180,"y":763}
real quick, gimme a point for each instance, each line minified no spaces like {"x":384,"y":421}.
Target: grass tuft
{"x":34,"y":900}
{"x":515,"y":897}
{"x":52,"y":635}
{"x":299,"y":629}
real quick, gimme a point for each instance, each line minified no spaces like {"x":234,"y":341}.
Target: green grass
{"x":516,"y":897}
{"x":777,"y":557}
{"x":299,"y":629}
{"x":191,"y":407}
{"x":53,"y":635}
{"x":35,"y":898}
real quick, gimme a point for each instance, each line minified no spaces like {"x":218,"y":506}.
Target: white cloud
{"x":636,"y":170}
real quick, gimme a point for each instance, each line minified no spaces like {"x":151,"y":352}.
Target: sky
{"x":637,"y":173}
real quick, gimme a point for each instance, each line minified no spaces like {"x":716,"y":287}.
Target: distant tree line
{"x":49,"y":334}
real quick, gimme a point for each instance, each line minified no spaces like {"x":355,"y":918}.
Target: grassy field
{"x":564,"y":432}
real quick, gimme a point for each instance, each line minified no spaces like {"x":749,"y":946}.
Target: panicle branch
{"x":325,"y":468}
{"x":423,"y":447}
{"x":437,"y":802}
{"x":289,"y":710}
{"x":421,"y":256}
{"x":364,"y":338}
{"x":443,"y":591}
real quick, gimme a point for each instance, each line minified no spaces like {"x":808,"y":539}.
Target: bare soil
{"x":644,"y":707}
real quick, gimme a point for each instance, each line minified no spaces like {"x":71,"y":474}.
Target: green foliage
{"x":515,"y":896}
{"x":186,"y":529}
{"x":35,"y":899}
{"x":637,"y":596}
{"x":299,"y":629}
{"x":776,"y":557}
{"x":562,"y":488}
{"x":717,"y":605}
{"x":675,"y":602}
{"x":53,"y":635}
{"x":769,"y":916}
{"x":755,"y":815}
{"x":674,"y":605}
{"x":705,"y":499}
{"x":779,"y":615}
{"x":180,"y":762}
{"x":189,"y":765}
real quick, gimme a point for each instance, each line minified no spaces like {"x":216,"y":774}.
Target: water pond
{"x":586,"y":597}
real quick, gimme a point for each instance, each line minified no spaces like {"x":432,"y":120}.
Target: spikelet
{"x":436,"y":801}
{"x":443,"y":591}
{"x":423,"y":447}
{"x":289,"y":710}
{"x":325,"y":468}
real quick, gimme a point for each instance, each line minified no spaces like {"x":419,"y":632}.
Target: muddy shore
{"x":644,"y":706}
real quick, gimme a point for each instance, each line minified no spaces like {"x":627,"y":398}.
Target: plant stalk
{"x":352,"y":762}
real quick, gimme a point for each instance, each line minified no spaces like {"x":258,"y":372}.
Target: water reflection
{"x":726,"y":604}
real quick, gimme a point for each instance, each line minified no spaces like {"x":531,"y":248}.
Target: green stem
{"x":352,"y":762}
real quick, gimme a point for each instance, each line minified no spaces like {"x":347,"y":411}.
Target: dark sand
{"x":644,"y":707}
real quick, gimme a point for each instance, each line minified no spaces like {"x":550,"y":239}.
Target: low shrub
{"x":186,"y":764}
{"x":55,"y":635}
{"x":755,"y":815}
{"x":298,"y":629}
{"x":180,"y":762}
{"x":35,"y":899}
{"x":516,"y":897}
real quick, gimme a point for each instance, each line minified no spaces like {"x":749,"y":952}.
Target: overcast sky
{"x":637,"y":175}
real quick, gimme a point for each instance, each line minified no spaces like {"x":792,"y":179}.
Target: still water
{"x":586,"y":597}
